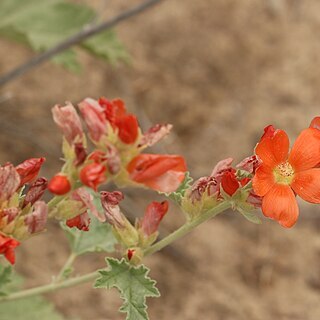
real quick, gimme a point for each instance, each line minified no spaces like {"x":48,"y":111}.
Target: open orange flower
{"x":282,"y":175}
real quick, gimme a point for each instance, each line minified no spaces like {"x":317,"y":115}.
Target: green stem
{"x":186,"y":228}
{"x":51,"y":287}
{"x":66,"y":266}
{"x":60,"y":284}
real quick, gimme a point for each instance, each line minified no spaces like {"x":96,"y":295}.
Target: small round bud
{"x":59,"y":185}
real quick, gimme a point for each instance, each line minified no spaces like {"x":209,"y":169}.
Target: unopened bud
{"x":59,"y":185}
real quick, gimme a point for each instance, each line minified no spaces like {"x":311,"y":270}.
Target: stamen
{"x":284,"y":173}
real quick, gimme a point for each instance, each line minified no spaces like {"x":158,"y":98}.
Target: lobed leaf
{"x":133,"y":284}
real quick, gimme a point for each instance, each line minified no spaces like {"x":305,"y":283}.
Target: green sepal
{"x":178,"y":195}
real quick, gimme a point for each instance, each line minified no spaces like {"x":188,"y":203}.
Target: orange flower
{"x":160,"y":172}
{"x":284,"y":174}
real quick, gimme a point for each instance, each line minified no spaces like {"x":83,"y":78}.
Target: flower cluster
{"x":225,"y":183}
{"x":21,"y":213}
{"x":145,"y":231}
{"x":118,"y":142}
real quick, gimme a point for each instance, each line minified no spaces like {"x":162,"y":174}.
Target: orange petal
{"x":315,"y":123}
{"x":305,"y":153}
{"x":280,"y":204}
{"x":307,"y":185}
{"x":263,"y":180}
{"x":273,"y":150}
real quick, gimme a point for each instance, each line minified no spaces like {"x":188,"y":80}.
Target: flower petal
{"x":263,"y":180}
{"x":305,"y":153}
{"x":280,"y":204}
{"x":307,"y":185}
{"x":273,"y":150}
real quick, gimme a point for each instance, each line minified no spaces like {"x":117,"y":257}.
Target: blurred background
{"x":219,"y":71}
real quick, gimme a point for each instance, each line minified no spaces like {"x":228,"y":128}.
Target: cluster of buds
{"x":22,"y":214}
{"x":134,"y":238}
{"x":118,"y":142}
{"x":225,"y":183}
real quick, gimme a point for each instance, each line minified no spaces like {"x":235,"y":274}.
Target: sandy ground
{"x":219,"y":70}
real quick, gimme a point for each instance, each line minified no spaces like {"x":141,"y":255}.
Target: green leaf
{"x":107,"y":46}
{"x":133,"y":284}
{"x":43,"y":24}
{"x":184,"y":186}
{"x":249,"y":215}
{"x":33,"y":308}
{"x":5,"y":278}
{"x":68,"y":59}
{"x":99,"y":237}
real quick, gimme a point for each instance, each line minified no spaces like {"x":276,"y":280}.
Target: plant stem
{"x":50,"y":287}
{"x":60,"y":284}
{"x":76,"y":39}
{"x":66,"y":266}
{"x":186,"y":228}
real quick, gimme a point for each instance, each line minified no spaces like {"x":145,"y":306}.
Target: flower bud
{"x":94,"y":117}
{"x":7,"y":246}
{"x":59,"y":185}
{"x":122,"y":228}
{"x":162,"y":173}
{"x":37,"y":219}
{"x":81,"y":154}
{"x":93,"y":174}
{"x":127,"y":128}
{"x":155,"y":134}
{"x":81,"y":221}
{"x":35,"y":191}
{"x":153,"y":215}
{"x":9,"y":181}
{"x":29,"y":169}
{"x":68,"y":121}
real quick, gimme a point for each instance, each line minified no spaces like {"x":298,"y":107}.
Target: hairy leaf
{"x":43,"y":24}
{"x":133,"y":284}
{"x":107,"y":46}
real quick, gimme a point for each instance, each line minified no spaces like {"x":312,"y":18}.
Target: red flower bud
{"x":159,"y":172}
{"x":127,"y":128}
{"x":29,"y":169}
{"x":229,"y":183}
{"x":7,"y":246}
{"x":98,"y":156}
{"x":82,"y":222}
{"x":59,"y":185}
{"x":113,"y":109}
{"x":68,"y":121}
{"x":81,"y":154}
{"x":93,"y":174}
{"x":35,"y":191}
{"x":153,"y":216}
{"x":130,"y":253}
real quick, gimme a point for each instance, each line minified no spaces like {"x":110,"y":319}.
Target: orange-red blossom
{"x":283,"y":174}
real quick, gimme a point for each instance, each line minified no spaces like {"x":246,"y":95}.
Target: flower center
{"x":283,"y":173}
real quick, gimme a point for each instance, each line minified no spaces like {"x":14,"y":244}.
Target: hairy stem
{"x":66,"y":266}
{"x":59,"y":284}
{"x":186,"y":228}
{"x":51,"y":287}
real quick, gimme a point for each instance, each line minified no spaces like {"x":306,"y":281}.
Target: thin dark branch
{"x":76,"y":39}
